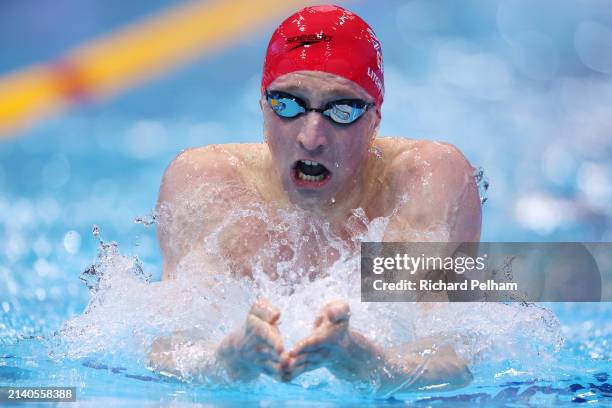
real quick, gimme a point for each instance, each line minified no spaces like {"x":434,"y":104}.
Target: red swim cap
{"x":329,"y":39}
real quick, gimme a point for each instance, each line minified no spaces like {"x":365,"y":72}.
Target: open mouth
{"x":310,"y":173}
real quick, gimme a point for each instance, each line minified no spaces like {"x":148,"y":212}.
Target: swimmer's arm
{"x":187,"y":355}
{"x":182,"y":356}
{"x":252,"y":349}
{"x":419,"y":366}
{"x":182,"y":187}
{"x":423,"y":365}
{"x":437,"y":195}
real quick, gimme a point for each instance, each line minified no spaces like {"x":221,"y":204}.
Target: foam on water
{"x":127,"y":311}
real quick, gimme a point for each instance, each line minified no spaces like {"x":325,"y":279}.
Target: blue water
{"x":522,"y":89}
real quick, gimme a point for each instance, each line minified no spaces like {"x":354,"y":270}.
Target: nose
{"x":312,"y":136}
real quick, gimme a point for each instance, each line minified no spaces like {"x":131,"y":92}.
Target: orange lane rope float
{"x":125,"y":58}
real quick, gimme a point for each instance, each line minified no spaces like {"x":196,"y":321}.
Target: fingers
{"x":257,"y":346}
{"x":313,"y":352}
{"x":263,"y":353}
{"x":263,"y":341}
{"x":272,"y":369}
{"x":265,"y":311}
{"x":309,"y":344}
{"x":296,"y":371}
{"x":315,"y":358}
{"x":294,"y":367}
{"x":337,"y":314}
{"x":264,"y":359}
{"x":265,"y":347}
{"x":337,"y":311}
{"x":261,"y":332}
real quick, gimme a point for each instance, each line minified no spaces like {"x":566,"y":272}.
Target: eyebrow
{"x":335,"y":93}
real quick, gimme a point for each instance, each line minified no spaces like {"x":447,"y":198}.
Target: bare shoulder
{"x":195,"y":192}
{"x":221,"y":163}
{"x":440,"y":162}
{"x":217,"y":161}
{"x":440,"y":182}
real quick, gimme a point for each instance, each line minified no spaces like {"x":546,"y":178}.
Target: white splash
{"x":127,"y":311}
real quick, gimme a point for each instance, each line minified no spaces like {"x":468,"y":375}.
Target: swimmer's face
{"x":318,"y":160}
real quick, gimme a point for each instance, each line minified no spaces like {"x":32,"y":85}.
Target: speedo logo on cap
{"x":307,"y":40}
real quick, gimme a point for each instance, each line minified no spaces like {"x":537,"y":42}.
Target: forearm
{"x":406,"y":369}
{"x":186,"y":357}
{"x":359,"y":360}
{"x":417,"y":366}
{"x":226,"y":358}
{"x":252,"y":349}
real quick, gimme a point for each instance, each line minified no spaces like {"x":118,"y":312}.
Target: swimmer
{"x":321,"y":96}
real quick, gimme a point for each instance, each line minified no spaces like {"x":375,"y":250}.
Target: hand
{"x":256,"y":347}
{"x":332,"y":344}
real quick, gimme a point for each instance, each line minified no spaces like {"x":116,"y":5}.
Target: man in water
{"x":321,"y":96}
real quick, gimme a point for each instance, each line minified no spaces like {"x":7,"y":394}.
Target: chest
{"x":288,"y":245}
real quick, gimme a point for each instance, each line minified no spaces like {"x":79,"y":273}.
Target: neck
{"x":345,"y":201}
{"x":356,"y":194}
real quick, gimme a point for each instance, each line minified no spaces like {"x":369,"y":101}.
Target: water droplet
{"x":146,"y":220}
{"x":482,"y":182}
{"x":376,"y":152}
{"x":333,"y":200}
{"x":336,"y":164}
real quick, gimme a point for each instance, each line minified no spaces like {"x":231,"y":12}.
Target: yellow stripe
{"x":127,"y":57}
{"x":26,"y":93}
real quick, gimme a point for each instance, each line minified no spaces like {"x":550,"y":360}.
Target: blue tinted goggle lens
{"x":284,"y":106}
{"x":343,"y":111}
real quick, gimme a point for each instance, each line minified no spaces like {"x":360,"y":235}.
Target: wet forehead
{"x":315,"y":86}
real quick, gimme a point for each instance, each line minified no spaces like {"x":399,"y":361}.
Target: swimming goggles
{"x":342,"y":111}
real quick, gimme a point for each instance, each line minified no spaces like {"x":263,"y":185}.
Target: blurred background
{"x":523,"y":88}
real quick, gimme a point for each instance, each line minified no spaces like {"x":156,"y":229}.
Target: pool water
{"x":581,"y":375}
{"x":520,"y":353}
{"x":536,"y":122}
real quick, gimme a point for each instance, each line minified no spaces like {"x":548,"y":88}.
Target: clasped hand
{"x":257,"y":346}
